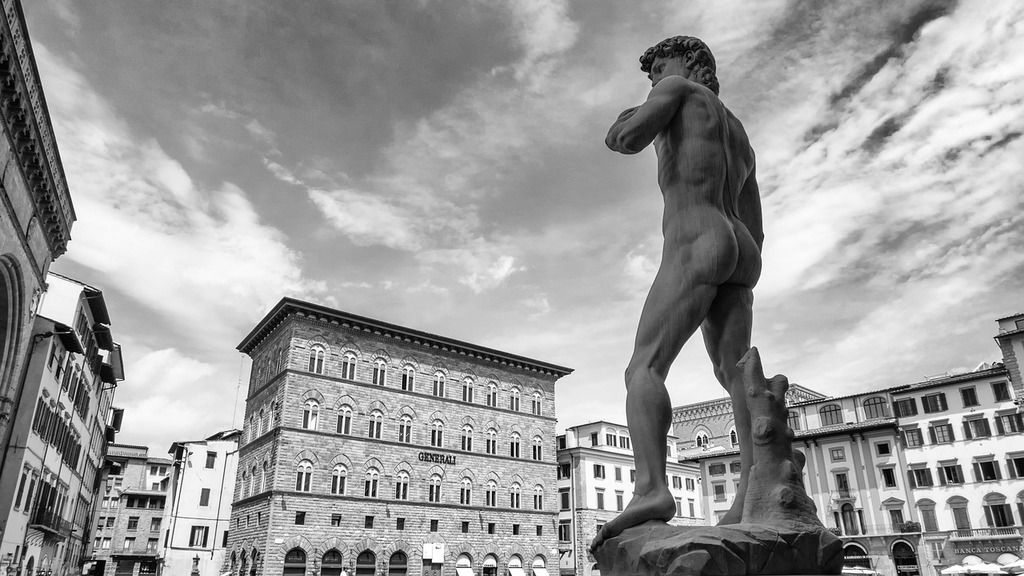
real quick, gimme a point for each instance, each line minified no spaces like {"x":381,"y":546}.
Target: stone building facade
{"x":35,"y":207}
{"x":371,"y":448}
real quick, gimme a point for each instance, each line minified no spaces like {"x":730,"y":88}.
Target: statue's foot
{"x":657,"y":504}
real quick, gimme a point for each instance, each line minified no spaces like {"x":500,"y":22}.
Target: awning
{"x":515,"y":571}
{"x":107,"y":374}
{"x":97,"y":305}
{"x":103,"y":338}
{"x":538,"y":571}
{"x":68,"y":338}
{"x":463,"y":571}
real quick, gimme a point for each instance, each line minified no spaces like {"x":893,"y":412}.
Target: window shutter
{"x":928,"y":476}
{"x":903,"y":439}
{"x":1010,"y":467}
{"x":942,"y":475}
{"x":952,"y":436}
{"x":999,"y":425}
{"x":985,"y":428}
{"x":988,"y":515}
{"x":931,"y":433}
{"x":977,"y":473}
{"x":967,"y":430}
{"x":910,"y":479}
{"x":942,"y":401}
{"x":999,"y":473}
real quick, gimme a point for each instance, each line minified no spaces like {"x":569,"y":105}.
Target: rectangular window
{"x":133,"y":522}
{"x":690,"y":505}
{"x":490,"y":527}
{"x":677,"y":482}
{"x":600,"y":499}
{"x":716,"y":469}
{"x":154,"y":525}
{"x":433,"y":525}
{"x":999,"y":515}
{"x":368,"y":522}
{"x":540,"y":530}
{"x":632,"y":475}
{"x":883,"y":449}
{"x":345,"y":423}
{"x":977,"y":428}
{"x":204,"y":497}
{"x":598,"y":471}
{"x":691,"y":484}
{"x":969,"y":397}
{"x":905,"y":407}
{"x":719,"y":489}
{"x":611,"y":440}
{"x":21,"y":488}
{"x":920,"y":477}
{"x":151,"y":544}
{"x":563,"y":498}
{"x":1016,"y":468}
{"x":211,"y":459}
{"x":913,"y":437}
{"x":400,"y":524}
{"x":300,"y":518}
{"x":1000,"y":391}
{"x":931,"y":523}
{"x":951,"y":474}
{"x":618,"y":500}
{"x":941,"y":433}
{"x":564,"y":531}
{"x":593,"y":438}
{"x":335,"y":519}
{"x":896,"y":518}
{"x":624,"y":442}
{"x":198,"y":536}
{"x":837,"y":454}
{"x":987,"y":471}
{"x":889,"y":477}
{"x":564,"y":471}
{"x":465,"y":527}
{"x":129,"y":542}
{"x":934,"y":403}
{"x":618,"y":474}
{"x":515,"y":529}
{"x":1010,"y":423}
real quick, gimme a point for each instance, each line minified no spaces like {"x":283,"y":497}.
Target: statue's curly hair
{"x":695,"y":54}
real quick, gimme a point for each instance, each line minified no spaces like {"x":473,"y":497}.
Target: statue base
{"x":657,"y":549}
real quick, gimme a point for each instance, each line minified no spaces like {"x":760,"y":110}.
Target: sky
{"x":441,"y":165}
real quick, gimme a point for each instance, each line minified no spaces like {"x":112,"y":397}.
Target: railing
{"x":1013,"y":532}
{"x":48,"y":520}
{"x":844,"y":494}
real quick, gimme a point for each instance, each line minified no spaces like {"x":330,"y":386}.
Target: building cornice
{"x":288,"y":307}
{"x":27,"y":120}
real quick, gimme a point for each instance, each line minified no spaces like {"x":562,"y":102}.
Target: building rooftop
{"x":289,"y":306}
{"x":813,"y":433}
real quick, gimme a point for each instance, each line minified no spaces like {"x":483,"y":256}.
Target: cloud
{"x":186,"y":253}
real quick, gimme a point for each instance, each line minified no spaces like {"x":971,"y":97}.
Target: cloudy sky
{"x":441,"y":165}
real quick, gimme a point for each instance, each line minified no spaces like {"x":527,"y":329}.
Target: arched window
{"x":348,"y":366}
{"x":849,"y":520}
{"x":405,"y":429}
{"x":408,"y":378}
{"x":926,"y":507}
{"x":370,"y":484}
{"x":535,"y":403}
{"x":366,"y":563}
{"x":316,"y":359}
{"x":793,"y":419}
{"x":961,"y":518}
{"x":831,"y":415}
{"x":492,"y":394}
{"x":515,"y":564}
{"x":434,"y":489}
{"x":491,"y":444}
{"x":243,"y":565}
{"x":345,"y":419}
{"x":539,"y":565}
{"x":439,"y":384}
{"x":398,"y":565}
{"x":514,"y":493}
{"x":490,"y":565}
{"x":295,"y":562}
{"x":380,"y":371}
{"x":339,"y":477}
{"x":252,"y":479}
{"x":263,"y":478}
{"x":437,"y":433}
{"x":467,"y":438}
{"x":466,"y":492}
{"x":332,"y":563}
{"x":513,"y":446}
{"x":402,"y":486}
{"x":464,"y":564}
{"x":491,"y":494}
{"x":513,"y":399}
{"x":375,"y":424}
{"x":701,"y":440}
{"x":310,"y":414}
{"x":303,"y":476}
{"x":855,"y":556}
{"x":467,"y":389}
{"x":538,"y":497}
{"x":537,"y":448}
{"x":733,"y":439}
{"x":244,"y":488}
{"x":998,"y":514}
{"x":263,"y":422}
{"x":876,"y":407}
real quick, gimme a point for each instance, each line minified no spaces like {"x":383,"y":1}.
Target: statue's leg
{"x":726,"y":333}
{"x":674,"y":310}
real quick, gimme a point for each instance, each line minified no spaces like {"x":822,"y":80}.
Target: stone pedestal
{"x":657,"y":549}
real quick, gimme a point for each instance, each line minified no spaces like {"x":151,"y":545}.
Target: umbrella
{"x":954,"y":569}
{"x":858,"y":571}
{"x":1014,"y":566}
{"x":985,"y":568}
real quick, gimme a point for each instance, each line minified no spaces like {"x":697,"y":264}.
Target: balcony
{"x":844,"y":495}
{"x":49,"y":522}
{"x":987,"y":533}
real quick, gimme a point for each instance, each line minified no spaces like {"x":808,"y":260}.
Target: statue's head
{"x":692,"y":52}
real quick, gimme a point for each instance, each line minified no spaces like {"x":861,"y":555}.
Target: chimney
{"x":1011,"y":343}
